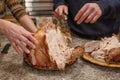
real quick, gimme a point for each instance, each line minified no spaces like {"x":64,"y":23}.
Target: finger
{"x":84,"y":16}
{"x":33,"y":39}
{"x":26,"y":41}
{"x":16,"y":48}
{"x":28,"y":36}
{"x":95,"y":19}
{"x":80,"y":12}
{"x":57,"y":15}
{"x":66,"y":10}
{"x":60,"y":11}
{"x":22,"y":46}
{"x":56,"y":12}
{"x":90,"y":17}
{"x":30,"y":39}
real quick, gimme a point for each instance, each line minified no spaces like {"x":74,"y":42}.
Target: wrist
{"x":104,"y":6}
{"x":2,"y":27}
{"x":5,"y":27}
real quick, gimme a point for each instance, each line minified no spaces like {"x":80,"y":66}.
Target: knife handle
{"x":6,"y":48}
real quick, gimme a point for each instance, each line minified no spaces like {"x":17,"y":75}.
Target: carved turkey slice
{"x":52,"y":50}
{"x":106,"y":50}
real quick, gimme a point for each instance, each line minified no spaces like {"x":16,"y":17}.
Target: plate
{"x":87,"y":57}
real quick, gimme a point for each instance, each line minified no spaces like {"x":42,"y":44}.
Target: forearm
{"x":27,"y":23}
{"x":20,"y":14}
{"x":110,"y":8}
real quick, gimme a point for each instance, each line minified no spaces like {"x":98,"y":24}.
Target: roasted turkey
{"x":52,"y":50}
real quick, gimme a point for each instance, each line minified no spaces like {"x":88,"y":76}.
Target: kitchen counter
{"x":12,"y":67}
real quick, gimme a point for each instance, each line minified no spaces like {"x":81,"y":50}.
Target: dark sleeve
{"x":110,"y":8}
{"x":58,"y":2}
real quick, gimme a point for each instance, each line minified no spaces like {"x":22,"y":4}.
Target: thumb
{"x":66,"y":10}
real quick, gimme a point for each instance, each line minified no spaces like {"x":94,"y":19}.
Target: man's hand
{"x":60,"y":10}
{"x":19,"y":37}
{"x":89,"y":13}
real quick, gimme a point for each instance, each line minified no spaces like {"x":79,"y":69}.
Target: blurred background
{"x":38,"y":7}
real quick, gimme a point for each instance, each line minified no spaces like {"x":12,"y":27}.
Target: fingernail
{"x":75,"y":19}
{"x":78,"y":22}
{"x":86,"y":22}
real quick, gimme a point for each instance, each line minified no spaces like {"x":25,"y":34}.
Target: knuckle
{"x":91,"y":7}
{"x":81,"y":11}
{"x":28,"y":35}
{"x":25,"y":40}
{"x":87,"y":4}
{"x":62,"y":7}
{"x":56,"y":10}
{"x":98,"y":14}
{"x":96,"y":10}
{"x":88,"y":19}
{"x":22,"y":46}
{"x":66,"y":8}
{"x":94,"y":20}
{"x":83,"y":16}
{"x":30,"y":43}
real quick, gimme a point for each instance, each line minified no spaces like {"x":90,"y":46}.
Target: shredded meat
{"x":105,"y":50}
{"x":113,"y":56}
{"x":92,"y":46}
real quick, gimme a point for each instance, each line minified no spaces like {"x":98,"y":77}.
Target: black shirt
{"x":106,"y":25}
